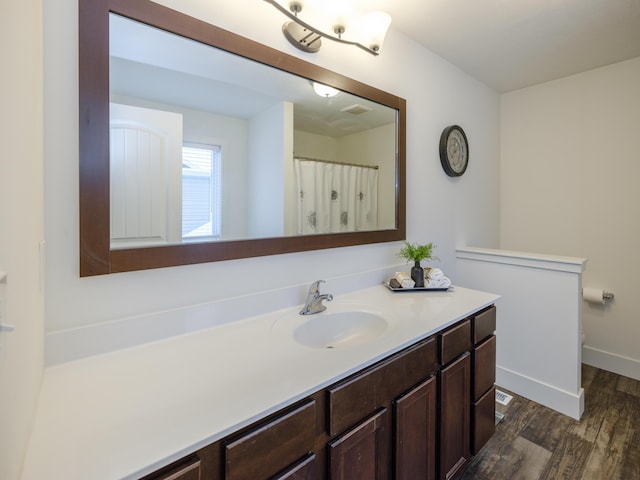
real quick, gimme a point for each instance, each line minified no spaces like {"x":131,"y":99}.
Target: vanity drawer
{"x":272,"y":446}
{"x":484,"y":367}
{"x":358,"y":396}
{"x":484,"y":324}
{"x":187,"y":470}
{"x":455,"y":341}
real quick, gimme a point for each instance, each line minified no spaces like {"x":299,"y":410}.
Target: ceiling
{"x":507,"y":44}
{"x":511,"y":44}
{"x":149,"y":64}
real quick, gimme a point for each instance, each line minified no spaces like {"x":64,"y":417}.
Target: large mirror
{"x":198,"y":145}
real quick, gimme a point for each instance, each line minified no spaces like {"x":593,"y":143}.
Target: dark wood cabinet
{"x":415,"y":432}
{"x":484,"y":367}
{"x":305,"y":469}
{"x":455,"y":411}
{"x":483,"y":420}
{"x":483,"y":324}
{"x":362,"y":452}
{"x":393,"y":385}
{"x":484,"y":377}
{"x":186,"y":469}
{"x":467,"y":353}
{"x":359,"y":395}
{"x":262,"y":452}
{"x":417,"y":415}
{"x":454,"y":341}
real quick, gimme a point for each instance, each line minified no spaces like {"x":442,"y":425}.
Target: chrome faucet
{"x":315,"y":299}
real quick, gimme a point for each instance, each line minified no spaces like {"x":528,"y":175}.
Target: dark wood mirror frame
{"x":96,"y":256}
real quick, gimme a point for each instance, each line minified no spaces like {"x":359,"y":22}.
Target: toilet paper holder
{"x":595,"y":295}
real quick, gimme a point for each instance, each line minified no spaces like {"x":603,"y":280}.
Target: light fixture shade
{"x":324,"y":90}
{"x":373,"y":28}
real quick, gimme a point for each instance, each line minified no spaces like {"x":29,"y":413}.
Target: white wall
{"x":569,"y":186}
{"x":441,"y":210}
{"x":21,"y":225}
{"x":270,"y":145}
{"x":538,"y":352}
{"x":313,"y":145}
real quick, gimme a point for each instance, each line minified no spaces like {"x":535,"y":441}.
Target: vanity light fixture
{"x":324,"y":90}
{"x":305,"y":30}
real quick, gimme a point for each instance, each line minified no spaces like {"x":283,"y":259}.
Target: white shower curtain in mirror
{"x":335,"y":198}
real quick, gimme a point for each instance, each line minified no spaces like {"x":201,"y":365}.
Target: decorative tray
{"x":416,"y":289}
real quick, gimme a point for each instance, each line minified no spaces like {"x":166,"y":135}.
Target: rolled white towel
{"x":404,"y":279}
{"x":443,"y":282}
{"x":434,"y":273}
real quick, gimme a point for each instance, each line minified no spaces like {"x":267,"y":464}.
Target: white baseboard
{"x":611,"y":362}
{"x":567,"y":403}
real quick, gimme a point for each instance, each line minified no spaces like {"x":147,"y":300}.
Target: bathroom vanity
{"x":246,"y":400}
{"x":419,"y":412}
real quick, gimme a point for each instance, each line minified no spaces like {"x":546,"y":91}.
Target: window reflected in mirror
{"x":201,"y":191}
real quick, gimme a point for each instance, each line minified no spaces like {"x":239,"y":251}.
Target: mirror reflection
{"x":207,"y":146}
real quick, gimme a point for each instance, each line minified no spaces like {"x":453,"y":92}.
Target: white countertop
{"x":126,"y":413}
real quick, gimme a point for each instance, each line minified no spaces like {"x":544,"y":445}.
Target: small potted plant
{"x":414,"y":252}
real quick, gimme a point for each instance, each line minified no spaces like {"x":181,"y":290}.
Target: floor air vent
{"x":503,"y":398}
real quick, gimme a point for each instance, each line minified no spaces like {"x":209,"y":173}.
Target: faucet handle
{"x":315,"y":286}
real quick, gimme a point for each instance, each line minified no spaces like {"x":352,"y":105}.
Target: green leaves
{"x":415,"y":252}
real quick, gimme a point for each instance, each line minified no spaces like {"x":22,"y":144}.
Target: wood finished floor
{"x":536,"y":443}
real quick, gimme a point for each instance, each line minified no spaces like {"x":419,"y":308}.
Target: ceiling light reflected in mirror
{"x":324,"y":90}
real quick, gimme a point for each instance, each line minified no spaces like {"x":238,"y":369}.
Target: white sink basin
{"x":340,"y":327}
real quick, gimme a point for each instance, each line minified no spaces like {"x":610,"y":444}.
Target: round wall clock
{"x":454,"y":151}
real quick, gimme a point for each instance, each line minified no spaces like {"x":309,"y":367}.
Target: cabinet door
{"x":484,"y":367}
{"x":362,"y":452}
{"x":484,"y":420}
{"x":415,"y":433}
{"x":455,"y":406}
{"x":305,"y":469}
